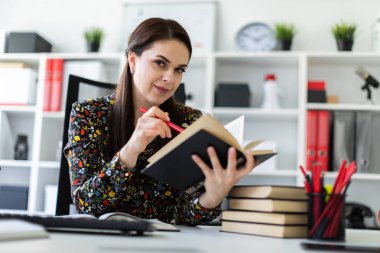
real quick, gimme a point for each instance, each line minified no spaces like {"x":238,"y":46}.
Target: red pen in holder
{"x":326,"y":217}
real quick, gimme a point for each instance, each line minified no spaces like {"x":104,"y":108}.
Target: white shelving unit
{"x":285,"y":126}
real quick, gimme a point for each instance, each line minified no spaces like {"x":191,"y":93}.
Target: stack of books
{"x":275,"y":211}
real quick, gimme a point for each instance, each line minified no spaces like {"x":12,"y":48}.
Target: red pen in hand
{"x":170,"y":124}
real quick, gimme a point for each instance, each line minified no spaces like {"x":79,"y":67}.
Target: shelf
{"x":22,"y":109}
{"x":31,"y":59}
{"x":255,"y":112}
{"x":358,"y":176}
{"x":344,"y":58}
{"x":49,"y":164}
{"x":15,"y":163}
{"x":347,"y":107}
{"x":53,"y":115}
{"x":258,"y":58}
{"x":16,"y":211}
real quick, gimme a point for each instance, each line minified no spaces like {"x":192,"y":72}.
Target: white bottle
{"x":376,"y":35}
{"x":270,"y":100}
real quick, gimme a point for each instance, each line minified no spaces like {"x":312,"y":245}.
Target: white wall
{"x":63,"y":22}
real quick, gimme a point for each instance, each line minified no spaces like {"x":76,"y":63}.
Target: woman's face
{"x":158,"y":72}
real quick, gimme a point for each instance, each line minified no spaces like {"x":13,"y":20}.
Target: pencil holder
{"x":326,"y":217}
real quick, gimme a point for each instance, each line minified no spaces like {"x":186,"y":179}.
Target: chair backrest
{"x":78,"y":88}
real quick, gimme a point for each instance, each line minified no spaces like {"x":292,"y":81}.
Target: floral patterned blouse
{"x":100,"y":186}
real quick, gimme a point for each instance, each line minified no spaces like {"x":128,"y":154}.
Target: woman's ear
{"x":132,"y":61}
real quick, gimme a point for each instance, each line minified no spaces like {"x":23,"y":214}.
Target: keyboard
{"x":83,"y":224}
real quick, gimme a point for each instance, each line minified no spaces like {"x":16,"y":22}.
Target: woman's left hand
{"x":218,"y":180}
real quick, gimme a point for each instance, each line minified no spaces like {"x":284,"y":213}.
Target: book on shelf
{"x":268,"y":205}
{"x":173,"y":164}
{"x":268,"y":191}
{"x":318,"y":139}
{"x":159,"y":225}
{"x":56,"y":85}
{"x":14,"y":64}
{"x":265,"y":217}
{"x":14,"y":229}
{"x":280,"y":231}
{"x":48,"y":85}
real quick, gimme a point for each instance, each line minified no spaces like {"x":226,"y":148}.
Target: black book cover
{"x":178,"y":169}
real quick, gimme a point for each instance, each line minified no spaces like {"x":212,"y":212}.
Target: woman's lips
{"x":161,"y":90}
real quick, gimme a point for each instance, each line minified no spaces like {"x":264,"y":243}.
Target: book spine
{"x":344,"y":137}
{"x":323,"y":133}
{"x":48,"y":84}
{"x":311,"y":138}
{"x":56,"y":90}
{"x":364,"y":141}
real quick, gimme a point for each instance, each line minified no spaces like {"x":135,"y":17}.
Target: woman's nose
{"x":168,"y":75}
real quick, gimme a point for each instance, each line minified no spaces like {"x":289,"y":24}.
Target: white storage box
{"x":18,"y":86}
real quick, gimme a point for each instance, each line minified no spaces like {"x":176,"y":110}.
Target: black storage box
{"x":232,"y":95}
{"x":316,"y":91}
{"x":316,"y":96}
{"x":18,"y":42}
{"x":13,"y":197}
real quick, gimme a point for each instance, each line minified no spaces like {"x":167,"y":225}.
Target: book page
{"x":236,"y":128}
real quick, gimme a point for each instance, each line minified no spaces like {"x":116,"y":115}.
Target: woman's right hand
{"x":150,"y":125}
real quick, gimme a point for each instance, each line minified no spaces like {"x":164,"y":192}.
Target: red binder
{"x":56,"y":89}
{"x":323,"y":134}
{"x":311,"y":138}
{"x":48,"y":83}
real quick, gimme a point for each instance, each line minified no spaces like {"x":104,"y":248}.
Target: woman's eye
{"x":160,"y":63}
{"x":181,"y":70}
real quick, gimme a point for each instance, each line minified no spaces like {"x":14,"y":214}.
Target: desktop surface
{"x":205,"y":239}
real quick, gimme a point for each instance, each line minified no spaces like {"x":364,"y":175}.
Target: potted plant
{"x":93,"y":38}
{"x":284,"y":35}
{"x":344,"y":34}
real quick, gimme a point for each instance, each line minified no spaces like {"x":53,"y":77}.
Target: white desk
{"x":190,"y":239}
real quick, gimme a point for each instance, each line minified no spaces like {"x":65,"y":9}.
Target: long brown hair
{"x":148,"y":32}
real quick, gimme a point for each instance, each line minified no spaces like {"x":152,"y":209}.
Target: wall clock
{"x":256,"y":37}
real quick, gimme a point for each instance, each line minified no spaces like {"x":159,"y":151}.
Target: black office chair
{"x":78,"y":88}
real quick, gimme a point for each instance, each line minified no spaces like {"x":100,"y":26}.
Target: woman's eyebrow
{"x":168,"y":61}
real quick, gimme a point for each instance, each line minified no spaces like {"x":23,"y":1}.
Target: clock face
{"x":256,"y":37}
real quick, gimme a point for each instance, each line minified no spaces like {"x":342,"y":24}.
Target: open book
{"x":173,"y":165}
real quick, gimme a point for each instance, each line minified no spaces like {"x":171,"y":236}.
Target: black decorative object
{"x":26,"y":42}
{"x":369,"y":81}
{"x":21,"y":148}
{"x":316,"y":92}
{"x":232,"y":95}
{"x":180,"y":94}
{"x":14,"y":197}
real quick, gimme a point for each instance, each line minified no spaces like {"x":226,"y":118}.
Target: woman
{"x":110,"y":139}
